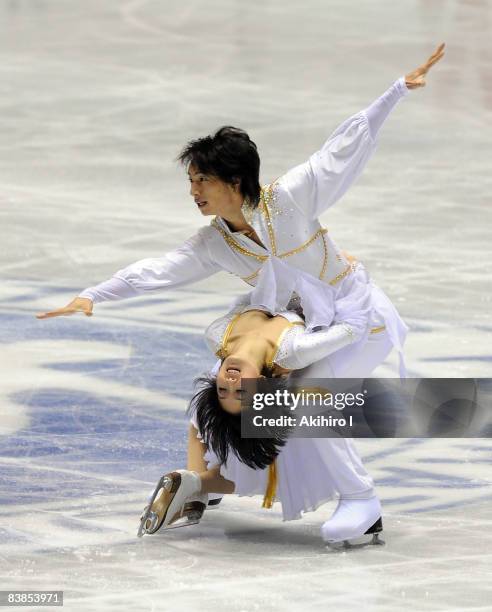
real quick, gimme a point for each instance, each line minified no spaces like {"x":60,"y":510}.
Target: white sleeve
{"x":379,"y":110}
{"x":318,"y":183}
{"x":187,"y":264}
{"x":309,"y":347}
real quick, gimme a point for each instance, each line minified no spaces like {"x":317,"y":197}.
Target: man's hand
{"x":416,"y":78}
{"x":77,"y":305}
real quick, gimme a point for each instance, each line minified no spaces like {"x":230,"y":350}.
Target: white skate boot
{"x":352,"y":519}
{"x":176,"y":502}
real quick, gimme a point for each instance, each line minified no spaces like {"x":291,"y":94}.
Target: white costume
{"x":299,"y":259}
{"x":286,"y":221}
{"x":309,"y":471}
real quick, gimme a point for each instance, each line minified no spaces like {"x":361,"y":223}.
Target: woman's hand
{"x":77,"y":305}
{"x":416,"y":78}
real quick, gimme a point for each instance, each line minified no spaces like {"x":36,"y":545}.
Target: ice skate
{"x":175,"y":502}
{"x":353,"y":519}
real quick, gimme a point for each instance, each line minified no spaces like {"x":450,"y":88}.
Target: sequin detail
{"x":266,"y":205}
{"x":349,"y":331}
{"x":248,"y":211}
{"x":234,"y":245}
{"x":350,"y":268}
{"x":284,"y":344}
{"x":266,"y":197}
{"x":325,"y":257}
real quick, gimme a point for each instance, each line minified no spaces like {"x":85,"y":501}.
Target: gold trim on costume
{"x":325,"y":256}
{"x":266,"y":199}
{"x":221,"y":351}
{"x":376,"y":330}
{"x":305,"y":245}
{"x":278,"y":342}
{"x":339,"y":277}
{"x":271,"y":488}
{"x":251,"y":276}
{"x":236,"y":246}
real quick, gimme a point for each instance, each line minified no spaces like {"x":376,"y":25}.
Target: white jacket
{"x":286,"y":221}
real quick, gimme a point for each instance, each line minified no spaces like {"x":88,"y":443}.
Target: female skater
{"x":265,"y":334}
{"x":273,"y":225}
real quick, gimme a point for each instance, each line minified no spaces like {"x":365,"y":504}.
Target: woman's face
{"x":229,"y":387}
{"x":212,"y":195}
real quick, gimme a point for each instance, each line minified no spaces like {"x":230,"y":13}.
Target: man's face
{"x":212,"y":195}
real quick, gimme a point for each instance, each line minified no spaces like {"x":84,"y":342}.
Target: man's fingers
{"x":431,"y":62}
{"x":53,"y":313}
{"x":82,"y":305}
{"x":61,"y":312}
{"x":436,"y":56}
{"x":438,"y":51}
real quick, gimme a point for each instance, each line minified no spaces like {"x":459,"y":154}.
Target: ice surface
{"x":97,"y":98}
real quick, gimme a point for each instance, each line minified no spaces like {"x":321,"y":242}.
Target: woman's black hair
{"x":221,"y":431}
{"x":230,"y":155}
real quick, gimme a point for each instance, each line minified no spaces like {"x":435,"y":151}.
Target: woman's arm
{"x":305,"y":348}
{"x":187,"y":264}
{"x":318,"y":183}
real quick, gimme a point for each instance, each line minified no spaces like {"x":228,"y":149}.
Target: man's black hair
{"x":230,"y":155}
{"x":221,"y":431}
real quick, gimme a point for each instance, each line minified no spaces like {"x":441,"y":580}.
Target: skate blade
{"x":165,"y":484}
{"x":182,"y":522}
{"x":190,"y":514}
{"x":356,"y":543}
{"x":141,"y":529}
